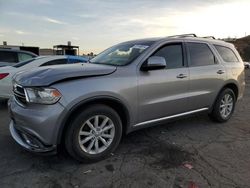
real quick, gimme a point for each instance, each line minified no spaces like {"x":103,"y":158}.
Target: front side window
{"x":227,"y":54}
{"x":121,"y":54}
{"x":172,"y":54}
{"x":200,"y":54}
{"x":10,"y":57}
{"x":23,"y":57}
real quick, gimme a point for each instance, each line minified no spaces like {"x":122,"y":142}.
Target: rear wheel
{"x":94,"y":134}
{"x":224,"y":106}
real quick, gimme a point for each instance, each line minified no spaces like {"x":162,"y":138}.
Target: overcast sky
{"x":97,"y":24}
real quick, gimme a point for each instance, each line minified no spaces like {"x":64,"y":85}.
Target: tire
{"x":217,"y":113}
{"x":78,"y":145}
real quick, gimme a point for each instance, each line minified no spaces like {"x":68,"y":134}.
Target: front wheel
{"x":94,"y":134}
{"x":224,"y":106}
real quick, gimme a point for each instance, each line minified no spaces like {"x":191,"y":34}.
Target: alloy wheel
{"x":226,"y":105}
{"x":96,"y":134}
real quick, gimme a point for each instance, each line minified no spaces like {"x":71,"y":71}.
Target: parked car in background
{"x":247,"y":65}
{"x":7,"y":72}
{"x":9,"y":57}
{"x":132,"y":85}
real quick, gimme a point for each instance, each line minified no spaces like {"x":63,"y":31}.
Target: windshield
{"x":17,"y":65}
{"x":121,"y":54}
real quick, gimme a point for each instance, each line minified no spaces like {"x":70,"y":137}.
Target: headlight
{"x":42,"y":95}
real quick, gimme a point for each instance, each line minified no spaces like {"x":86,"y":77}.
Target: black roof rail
{"x":209,"y":37}
{"x":184,"y":35}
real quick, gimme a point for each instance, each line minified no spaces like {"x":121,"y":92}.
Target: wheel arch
{"x":112,"y":102}
{"x":231,"y":85}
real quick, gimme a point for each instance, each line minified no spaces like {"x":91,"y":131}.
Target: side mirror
{"x":154,"y":63}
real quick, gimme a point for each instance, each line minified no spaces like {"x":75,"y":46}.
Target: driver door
{"x":164,"y":92}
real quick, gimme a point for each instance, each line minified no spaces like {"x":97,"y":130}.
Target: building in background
{"x":56,"y":50}
{"x":32,"y":49}
{"x":46,"y":51}
{"x":66,"y":49}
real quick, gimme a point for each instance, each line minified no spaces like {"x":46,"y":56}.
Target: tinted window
{"x":6,"y":56}
{"x":56,"y":62}
{"x":227,"y":54}
{"x":23,"y":57}
{"x":75,"y":61}
{"x":200,"y":54}
{"x":172,"y":54}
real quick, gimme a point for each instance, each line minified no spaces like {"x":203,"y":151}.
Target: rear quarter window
{"x":227,"y":54}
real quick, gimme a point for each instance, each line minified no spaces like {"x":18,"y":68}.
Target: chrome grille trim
{"x":19,"y":94}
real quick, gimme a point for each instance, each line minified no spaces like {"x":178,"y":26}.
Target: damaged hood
{"x":45,"y":76}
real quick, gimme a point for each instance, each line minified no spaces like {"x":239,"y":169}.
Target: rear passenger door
{"x":207,"y":75}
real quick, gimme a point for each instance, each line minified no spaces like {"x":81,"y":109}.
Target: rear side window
{"x":200,"y":54}
{"x":10,"y":57}
{"x":75,"y":61}
{"x":172,"y":54}
{"x":56,"y":62}
{"x":23,"y":57}
{"x":227,"y":54}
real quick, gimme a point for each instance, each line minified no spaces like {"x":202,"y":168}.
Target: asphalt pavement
{"x":190,"y":152}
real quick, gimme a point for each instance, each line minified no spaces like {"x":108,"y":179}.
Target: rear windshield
{"x":17,"y":65}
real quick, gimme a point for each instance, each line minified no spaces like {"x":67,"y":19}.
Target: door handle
{"x":181,"y":76}
{"x":221,"y":72}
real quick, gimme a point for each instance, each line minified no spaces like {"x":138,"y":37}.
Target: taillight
{"x":3,"y":75}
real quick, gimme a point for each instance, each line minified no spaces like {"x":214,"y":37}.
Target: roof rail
{"x":184,"y":35}
{"x":209,"y":37}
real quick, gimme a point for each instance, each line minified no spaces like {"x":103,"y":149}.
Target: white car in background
{"x":7,"y":72}
{"x":10,"y":57}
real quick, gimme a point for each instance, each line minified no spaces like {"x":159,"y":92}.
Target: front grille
{"x":19,"y":94}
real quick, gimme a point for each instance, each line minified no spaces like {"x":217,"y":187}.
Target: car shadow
{"x":144,"y":143}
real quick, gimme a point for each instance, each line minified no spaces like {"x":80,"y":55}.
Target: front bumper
{"x":30,"y":142}
{"x":36,"y":127}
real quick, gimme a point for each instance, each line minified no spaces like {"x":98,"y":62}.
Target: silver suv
{"x":87,"y":107}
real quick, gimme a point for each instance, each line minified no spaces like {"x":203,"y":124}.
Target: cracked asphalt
{"x":190,"y":152}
